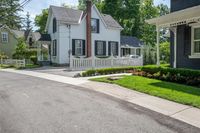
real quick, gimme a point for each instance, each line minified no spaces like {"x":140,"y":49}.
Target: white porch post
{"x":158,"y":44}
{"x":175,"y":46}
{"x":135,"y":49}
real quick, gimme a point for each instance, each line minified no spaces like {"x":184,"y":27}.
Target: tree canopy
{"x":41,"y":20}
{"x":9,"y":13}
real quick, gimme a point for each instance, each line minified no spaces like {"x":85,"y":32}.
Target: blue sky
{"x":35,"y":8}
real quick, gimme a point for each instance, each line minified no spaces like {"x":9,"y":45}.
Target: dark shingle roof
{"x":73,"y":16}
{"x":110,"y":21}
{"x":45,"y":37}
{"x":130,"y":41}
{"x":66,"y":14}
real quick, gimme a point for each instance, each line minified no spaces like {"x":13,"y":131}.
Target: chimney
{"x":88,"y":28}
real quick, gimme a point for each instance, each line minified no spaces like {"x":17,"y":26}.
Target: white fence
{"x":13,"y":62}
{"x":91,"y":63}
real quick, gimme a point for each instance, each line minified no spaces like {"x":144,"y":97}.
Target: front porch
{"x":184,"y":26}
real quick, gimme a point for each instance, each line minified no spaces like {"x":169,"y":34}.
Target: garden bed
{"x":164,"y":73}
{"x":183,"y":94}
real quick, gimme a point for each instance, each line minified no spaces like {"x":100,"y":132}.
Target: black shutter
{"x":83,"y":46}
{"x":55,"y":47}
{"x":95,"y":48}
{"x":73,"y":46}
{"x":98,"y":26}
{"x":109,"y":48}
{"x":104,"y":48}
{"x":54,"y":25}
{"x":117,"y":49}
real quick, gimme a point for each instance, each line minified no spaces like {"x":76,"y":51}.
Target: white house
{"x":84,"y":38}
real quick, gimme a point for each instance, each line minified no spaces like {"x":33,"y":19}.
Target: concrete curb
{"x":177,"y":111}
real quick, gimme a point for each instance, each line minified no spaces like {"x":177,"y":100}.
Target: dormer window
{"x":95,"y":25}
{"x":54,"y":25}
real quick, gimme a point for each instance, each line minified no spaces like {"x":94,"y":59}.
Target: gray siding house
{"x":184,"y":25}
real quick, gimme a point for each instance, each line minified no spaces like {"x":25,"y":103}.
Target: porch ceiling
{"x":181,"y":17}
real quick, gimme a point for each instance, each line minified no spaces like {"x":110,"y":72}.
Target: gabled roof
{"x":110,"y":21}
{"x":69,"y":15}
{"x":73,"y":16}
{"x":130,"y":41}
{"x":18,"y":33}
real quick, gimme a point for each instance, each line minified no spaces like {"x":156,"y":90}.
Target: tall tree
{"x":82,"y":4}
{"x":148,"y":32}
{"x":163,"y":9}
{"x":126,"y":12}
{"x":9,"y":13}
{"x":41,"y":20}
{"x":27,"y":22}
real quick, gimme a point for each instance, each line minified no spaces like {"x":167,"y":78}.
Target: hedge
{"x":178,"y":75}
{"x":106,"y":71}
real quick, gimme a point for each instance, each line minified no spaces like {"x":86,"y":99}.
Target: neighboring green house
{"x":8,"y":40}
{"x":9,"y":37}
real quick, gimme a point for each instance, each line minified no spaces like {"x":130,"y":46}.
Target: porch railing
{"x":13,"y":62}
{"x":94,"y":62}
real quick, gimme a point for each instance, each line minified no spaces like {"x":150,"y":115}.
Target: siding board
{"x":183,"y":4}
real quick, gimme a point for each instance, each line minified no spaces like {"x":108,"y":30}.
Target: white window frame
{"x":79,"y":47}
{"x":4,"y":35}
{"x":193,"y":54}
{"x":100,"y":48}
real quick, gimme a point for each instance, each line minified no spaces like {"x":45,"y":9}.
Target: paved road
{"x":34,"y":105}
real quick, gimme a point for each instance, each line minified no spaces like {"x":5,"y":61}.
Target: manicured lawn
{"x":28,"y":66}
{"x":175,"y":92}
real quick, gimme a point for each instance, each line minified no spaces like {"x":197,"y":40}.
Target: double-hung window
{"x":95,"y":25}
{"x":113,"y":48}
{"x":78,"y":47}
{"x":196,"y":42}
{"x":99,"y":47}
{"x":4,"y":36}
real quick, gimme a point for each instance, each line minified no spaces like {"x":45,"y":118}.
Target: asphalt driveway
{"x":34,"y":105}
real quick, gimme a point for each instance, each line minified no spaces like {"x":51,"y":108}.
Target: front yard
{"x":172,"y":91}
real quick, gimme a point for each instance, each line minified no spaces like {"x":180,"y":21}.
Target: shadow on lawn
{"x":177,"y":87}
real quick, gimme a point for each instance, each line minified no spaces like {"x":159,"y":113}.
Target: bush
{"x":106,"y":71}
{"x":184,"y":76}
{"x":34,"y":59}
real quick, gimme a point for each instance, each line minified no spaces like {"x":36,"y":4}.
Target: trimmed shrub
{"x":106,"y":71}
{"x":179,"y":75}
{"x":34,"y":60}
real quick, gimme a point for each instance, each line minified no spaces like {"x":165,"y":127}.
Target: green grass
{"x":5,"y":66}
{"x":31,"y":66}
{"x":28,"y":66}
{"x":175,"y":92}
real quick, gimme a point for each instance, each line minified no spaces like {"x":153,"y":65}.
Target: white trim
{"x":175,"y":47}
{"x":177,"y":18}
{"x":158,"y":46}
{"x":193,"y":55}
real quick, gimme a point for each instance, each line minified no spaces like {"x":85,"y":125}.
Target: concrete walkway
{"x":181,"y":112}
